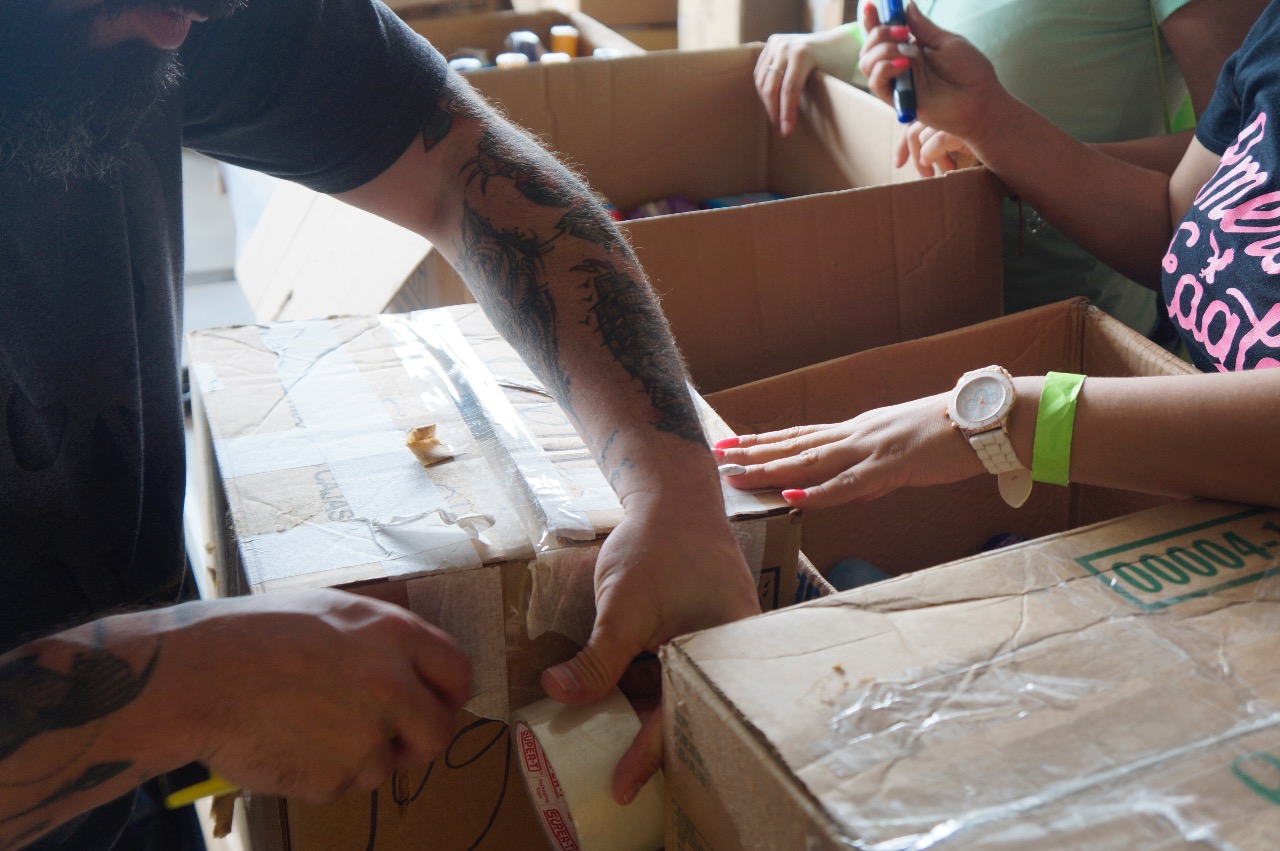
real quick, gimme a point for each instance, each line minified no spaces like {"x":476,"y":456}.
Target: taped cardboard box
{"x":488,"y":32}
{"x":302,"y":428}
{"x":914,"y":528}
{"x":708,"y":24}
{"x":889,"y":257}
{"x":1112,"y":687}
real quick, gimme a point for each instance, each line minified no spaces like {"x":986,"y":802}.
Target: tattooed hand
{"x":304,"y":695}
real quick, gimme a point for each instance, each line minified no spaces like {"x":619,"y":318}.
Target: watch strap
{"x":1015,"y":486}
{"x":995,"y":450}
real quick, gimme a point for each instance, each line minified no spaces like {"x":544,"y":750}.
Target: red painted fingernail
{"x":727,"y":442}
{"x":900,"y":63}
{"x":900,"y":33}
{"x":719,"y":453}
{"x":795,"y":495}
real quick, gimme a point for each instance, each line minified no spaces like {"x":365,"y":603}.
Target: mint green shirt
{"x":1090,"y":67}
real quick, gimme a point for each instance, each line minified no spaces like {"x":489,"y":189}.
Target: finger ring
{"x":772,"y":69}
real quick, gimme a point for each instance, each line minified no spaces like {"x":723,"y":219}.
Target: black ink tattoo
{"x":454,"y":103}
{"x":629,"y":322}
{"x":90,"y":778}
{"x":507,"y":268}
{"x":499,"y":155}
{"x":35,"y":700}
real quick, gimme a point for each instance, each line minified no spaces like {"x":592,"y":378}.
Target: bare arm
{"x":1119,"y":212}
{"x":559,"y":282}
{"x":90,"y":713}
{"x":1208,"y":435}
{"x":1202,"y":36}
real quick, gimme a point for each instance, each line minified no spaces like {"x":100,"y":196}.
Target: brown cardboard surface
{"x":1111,"y":687}
{"x":444,"y":8}
{"x":620,"y":12}
{"x":918,"y":527}
{"x":488,"y":32}
{"x":301,"y":442}
{"x":888,"y":257}
{"x":707,"y":24}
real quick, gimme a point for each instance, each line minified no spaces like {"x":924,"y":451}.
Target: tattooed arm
{"x":558,"y":280}
{"x":88,"y":714}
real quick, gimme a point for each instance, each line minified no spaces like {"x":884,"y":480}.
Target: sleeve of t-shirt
{"x":327,"y":93}
{"x":1219,"y":126}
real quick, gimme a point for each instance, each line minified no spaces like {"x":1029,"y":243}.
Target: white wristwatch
{"x":979,"y":407}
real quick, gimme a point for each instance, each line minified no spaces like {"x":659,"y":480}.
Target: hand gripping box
{"x":914,"y":528}
{"x":303,"y":444}
{"x":1113,"y":687}
{"x":889,"y":257}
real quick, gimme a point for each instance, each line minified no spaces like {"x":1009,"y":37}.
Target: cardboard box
{"x":444,"y":8}
{"x":620,"y":12}
{"x":888,"y":256}
{"x":913,"y":528}
{"x":825,"y":14}
{"x":301,"y":426}
{"x":708,"y":24}
{"x":489,"y":32}
{"x":652,"y":36}
{"x":1112,"y":687}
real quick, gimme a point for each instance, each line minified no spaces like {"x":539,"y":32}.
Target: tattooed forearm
{"x":505,"y":270}
{"x":456,"y":101}
{"x":91,"y":777}
{"x":630,"y":324}
{"x":35,"y":699}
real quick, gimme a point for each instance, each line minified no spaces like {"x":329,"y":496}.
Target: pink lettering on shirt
{"x":1226,"y":323}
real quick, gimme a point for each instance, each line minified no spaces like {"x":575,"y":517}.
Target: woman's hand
{"x":788,"y":59}
{"x":907,"y":445}
{"x":933,"y":151}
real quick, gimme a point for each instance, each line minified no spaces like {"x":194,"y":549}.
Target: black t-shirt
{"x":325,"y":92}
{"x":1222,"y":270}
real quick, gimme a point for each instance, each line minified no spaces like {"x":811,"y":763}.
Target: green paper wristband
{"x":854,"y":29}
{"x":1055,"y":422}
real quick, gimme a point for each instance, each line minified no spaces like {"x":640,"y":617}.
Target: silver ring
{"x":771,"y":69}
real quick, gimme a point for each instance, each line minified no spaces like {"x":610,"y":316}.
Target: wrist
{"x":1055,"y":423}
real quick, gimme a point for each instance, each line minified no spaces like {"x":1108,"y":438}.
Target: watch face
{"x":980,"y":401}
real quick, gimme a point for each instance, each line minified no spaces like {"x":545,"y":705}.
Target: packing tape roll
{"x":567,"y":756}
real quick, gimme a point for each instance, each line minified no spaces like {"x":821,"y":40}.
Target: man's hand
{"x":669,"y":568}
{"x":314,"y":694}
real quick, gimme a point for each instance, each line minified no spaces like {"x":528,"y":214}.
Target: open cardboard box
{"x":620,"y":12}
{"x":913,"y":528}
{"x":1112,"y":687}
{"x":300,"y":433}
{"x":708,"y":24}
{"x":886,"y":256}
{"x":488,"y":32}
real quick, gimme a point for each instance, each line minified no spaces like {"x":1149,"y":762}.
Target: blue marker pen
{"x":904,"y":87}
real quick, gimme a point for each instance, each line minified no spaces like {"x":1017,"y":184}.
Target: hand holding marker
{"x":904,"y":88}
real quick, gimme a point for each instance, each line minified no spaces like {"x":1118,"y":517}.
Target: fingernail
{"x":630,"y":795}
{"x":564,"y":678}
{"x":727,"y":442}
{"x":900,"y":62}
{"x":899,"y":32}
{"x":719,"y":453}
{"x":732,"y":469}
{"x":795,"y":495}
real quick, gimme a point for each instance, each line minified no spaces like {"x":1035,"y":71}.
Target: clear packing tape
{"x":1082,"y":722}
{"x":435,"y":354}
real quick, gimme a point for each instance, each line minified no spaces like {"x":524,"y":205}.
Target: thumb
{"x":925,"y":31}
{"x":590,"y":675}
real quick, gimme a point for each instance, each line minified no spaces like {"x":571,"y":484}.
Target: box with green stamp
{"x":1115,"y":686}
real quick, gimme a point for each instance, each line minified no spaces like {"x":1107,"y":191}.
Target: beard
{"x":70,"y":110}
